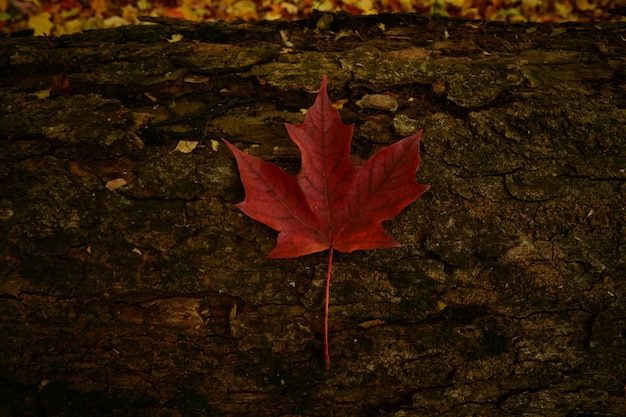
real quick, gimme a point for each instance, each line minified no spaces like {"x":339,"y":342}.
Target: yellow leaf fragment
{"x":43,"y":94}
{"x":339,"y":103}
{"x":233,"y":312}
{"x":71,"y":26}
{"x":41,"y":23}
{"x":114,"y":22}
{"x":214,"y":145}
{"x":115,"y":184}
{"x":289,"y":7}
{"x":177,"y":37}
{"x":371,"y":323}
{"x":324,"y":22}
{"x":144,"y":5}
{"x":186,"y":146}
{"x":150,"y":97}
{"x":130,"y":13}
{"x":285,"y":38}
{"x":323,"y":5}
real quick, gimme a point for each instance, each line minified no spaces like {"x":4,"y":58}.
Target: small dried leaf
{"x":371,"y":323}
{"x":115,"y":184}
{"x":150,"y":97}
{"x":233,"y":312}
{"x":186,"y":146}
{"x":177,"y":37}
{"x":42,"y":94}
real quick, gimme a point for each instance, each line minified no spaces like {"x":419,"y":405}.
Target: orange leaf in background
{"x":99,"y":6}
{"x":129,"y":13}
{"x":229,"y":10}
{"x":177,"y":13}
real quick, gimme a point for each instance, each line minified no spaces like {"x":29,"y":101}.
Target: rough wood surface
{"x":507,"y":298}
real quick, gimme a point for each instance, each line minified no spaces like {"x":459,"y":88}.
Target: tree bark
{"x":131,"y":285}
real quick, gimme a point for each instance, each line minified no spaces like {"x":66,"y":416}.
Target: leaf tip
{"x":324,"y":86}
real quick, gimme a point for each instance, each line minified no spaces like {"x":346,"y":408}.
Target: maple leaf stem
{"x":328,"y":273}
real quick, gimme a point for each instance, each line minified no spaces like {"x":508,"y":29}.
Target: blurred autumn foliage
{"x":58,"y":17}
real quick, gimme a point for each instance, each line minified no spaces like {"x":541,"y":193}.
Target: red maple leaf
{"x":330,"y":203}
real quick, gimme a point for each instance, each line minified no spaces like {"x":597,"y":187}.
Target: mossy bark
{"x":153,"y":298}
